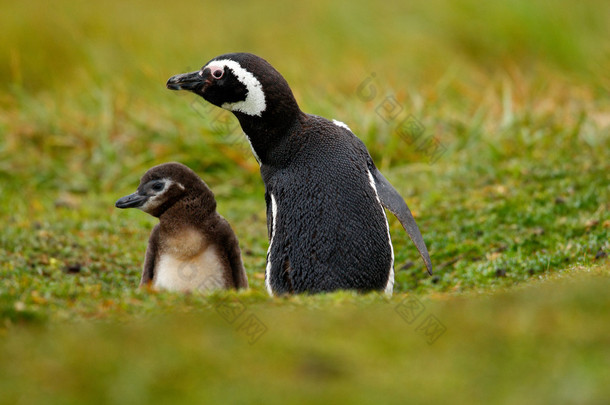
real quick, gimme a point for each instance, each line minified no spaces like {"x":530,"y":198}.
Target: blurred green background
{"x":504,"y":164}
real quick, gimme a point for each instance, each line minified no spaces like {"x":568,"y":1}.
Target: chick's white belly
{"x":201,"y":272}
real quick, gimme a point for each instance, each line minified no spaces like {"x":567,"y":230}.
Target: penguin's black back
{"x":329,"y":230}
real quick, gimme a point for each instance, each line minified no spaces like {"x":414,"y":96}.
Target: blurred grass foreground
{"x":491,"y":118}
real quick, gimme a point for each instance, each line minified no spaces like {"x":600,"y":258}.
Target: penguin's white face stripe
{"x":154,"y":201}
{"x":254,"y":104}
{"x":389,"y":288}
{"x":268,"y":268}
{"x":341,"y":124}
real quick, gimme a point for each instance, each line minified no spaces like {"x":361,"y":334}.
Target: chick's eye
{"x":217,"y":73}
{"x":158,"y":186}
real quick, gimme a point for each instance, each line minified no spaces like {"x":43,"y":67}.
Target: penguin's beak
{"x":134,"y":200}
{"x":186,"y":81}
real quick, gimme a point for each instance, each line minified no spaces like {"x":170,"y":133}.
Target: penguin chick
{"x":325,"y":198}
{"x":192,"y":248}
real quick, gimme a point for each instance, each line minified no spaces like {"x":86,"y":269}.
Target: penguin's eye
{"x":217,"y":73}
{"x":158,"y":186}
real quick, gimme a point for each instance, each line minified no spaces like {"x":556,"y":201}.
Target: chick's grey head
{"x":163,"y":186}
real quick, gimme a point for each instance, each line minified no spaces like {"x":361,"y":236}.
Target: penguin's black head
{"x":239,"y":82}
{"x":164,"y":185}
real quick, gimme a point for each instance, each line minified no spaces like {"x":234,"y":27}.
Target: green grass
{"x":515,"y":210}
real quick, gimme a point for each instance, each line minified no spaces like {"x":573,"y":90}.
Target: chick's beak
{"x":134,"y":200}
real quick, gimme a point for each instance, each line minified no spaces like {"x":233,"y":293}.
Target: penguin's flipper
{"x":238,"y":271}
{"x":396,"y":204}
{"x":148,"y":271}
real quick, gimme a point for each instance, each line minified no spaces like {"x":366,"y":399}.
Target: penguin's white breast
{"x":198,"y":273}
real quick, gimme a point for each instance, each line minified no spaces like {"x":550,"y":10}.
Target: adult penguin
{"x":325,"y":197}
